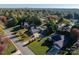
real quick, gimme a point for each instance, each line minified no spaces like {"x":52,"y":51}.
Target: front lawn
{"x":22,"y":36}
{"x":37,"y":48}
{"x":10,"y":48}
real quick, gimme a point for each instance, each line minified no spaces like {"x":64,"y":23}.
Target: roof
{"x":62,"y":41}
{"x":55,"y":17}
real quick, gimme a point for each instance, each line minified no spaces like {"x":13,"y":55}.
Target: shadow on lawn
{"x":13,"y":37}
{"x":48,"y":44}
{"x":15,"y":29}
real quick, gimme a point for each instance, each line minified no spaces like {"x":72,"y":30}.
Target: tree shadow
{"x":48,"y":44}
{"x":13,"y":51}
{"x":15,"y":29}
{"x":28,"y":33}
{"x":13,"y":37}
{"x":16,"y":41}
{"x":68,"y":42}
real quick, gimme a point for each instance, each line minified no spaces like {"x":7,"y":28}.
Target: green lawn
{"x":37,"y":48}
{"x":21,"y":36}
{"x":9,"y":49}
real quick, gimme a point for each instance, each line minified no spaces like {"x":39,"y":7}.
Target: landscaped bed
{"x":37,"y":48}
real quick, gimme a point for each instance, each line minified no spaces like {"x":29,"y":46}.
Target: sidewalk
{"x":17,"y":53}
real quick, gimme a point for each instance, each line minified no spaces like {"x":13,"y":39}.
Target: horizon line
{"x":54,"y":6}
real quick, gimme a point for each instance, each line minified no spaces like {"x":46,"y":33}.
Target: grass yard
{"x":37,"y":48}
{"x":9,"y":49}
{"x":21,"y":36}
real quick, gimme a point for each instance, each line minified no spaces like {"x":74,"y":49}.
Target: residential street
{"x":24,"y":50}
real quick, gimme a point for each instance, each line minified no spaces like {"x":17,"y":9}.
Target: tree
{"x":33,"y":20}
{"x":1,"y":49}
{"x":76,"y":26}
{"x":60,"y":20}
{"x":52,"y":25}
{"x":76,"y":16}
{"x":69,"y":16}
{"x":36,"y":20}
{"x":12,"y":22}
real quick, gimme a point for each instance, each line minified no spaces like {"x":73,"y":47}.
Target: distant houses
{"x":54,"y":18}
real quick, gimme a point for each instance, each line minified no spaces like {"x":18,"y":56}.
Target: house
{"x":39,"y":31}
{"x":34,"y":31}
{"x":67,"y":28}
{"x":74,"y":20}
{"x":54,"y":50}
{"x":59,"y":41}
{"x":24,"y":24}
{"x":55,"y":17}
{"x":57,"y":44}
{"x":60,"y":25}
{"x":36,"y":35}
{"x":41,"y":28}
{"x":64,"y":27}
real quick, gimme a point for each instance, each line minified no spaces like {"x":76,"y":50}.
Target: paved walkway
{"x":24,"y":50}
{"x":17,"y":53}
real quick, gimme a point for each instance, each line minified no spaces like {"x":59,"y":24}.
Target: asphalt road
{"x":24,"y":50}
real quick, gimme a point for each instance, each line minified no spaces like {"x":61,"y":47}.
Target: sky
{"x":39,"y":6}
